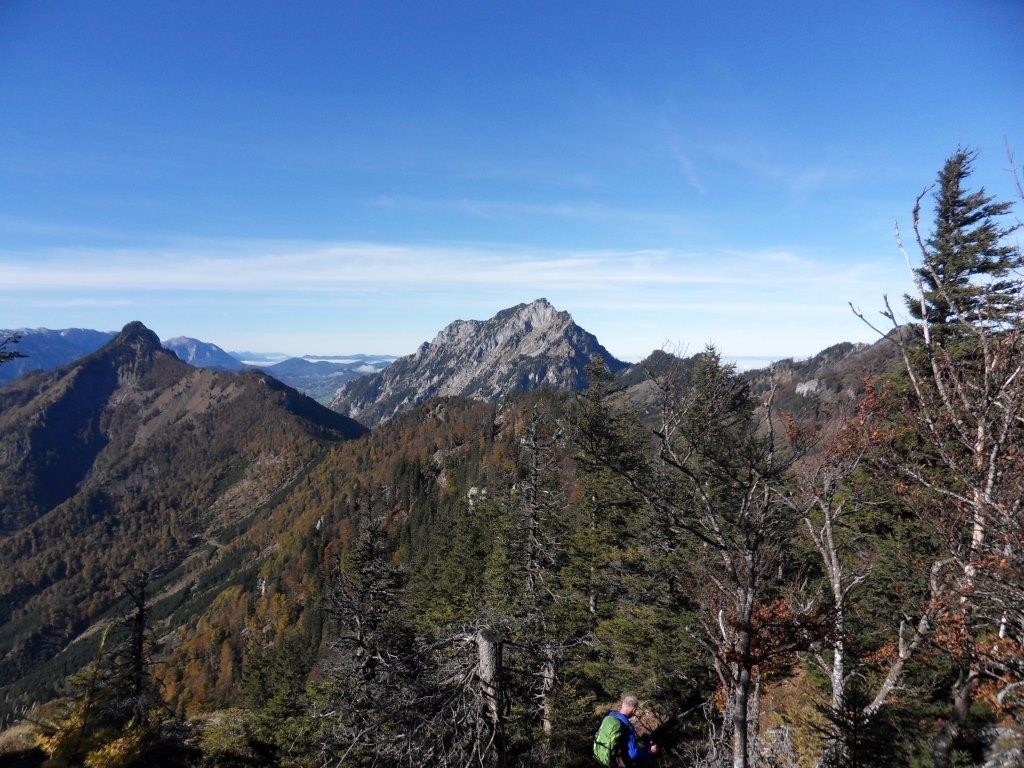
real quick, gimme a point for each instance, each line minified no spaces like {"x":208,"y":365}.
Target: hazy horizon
{"x":742,"y":363}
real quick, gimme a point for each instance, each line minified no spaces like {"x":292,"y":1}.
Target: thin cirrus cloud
{"x":77,"y":303}
{"x":236,"y":267}
{"x":503,"y":209}
{"x":687,"y":166}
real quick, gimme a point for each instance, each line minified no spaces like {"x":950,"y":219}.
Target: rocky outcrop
{"x":525,"y":347}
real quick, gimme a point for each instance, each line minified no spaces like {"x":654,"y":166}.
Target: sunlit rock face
{"x":525,"y":347}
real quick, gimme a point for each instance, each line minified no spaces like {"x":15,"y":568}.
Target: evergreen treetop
{"x":969,"y":271}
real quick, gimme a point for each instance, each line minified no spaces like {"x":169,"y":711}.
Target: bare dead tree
{"x":388,"y":697}
{"x":527,"y":587}
{"x":714,"y":750}
{"x":460,"y":722}
{"x":827,"y":505}
{"x":541,"y":507}
{"x":489,"y":675}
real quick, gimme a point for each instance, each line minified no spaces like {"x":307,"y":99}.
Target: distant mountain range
{"x":522,"y":348}
{"x":259,"y":359}
{"x":203,"y":354}
{"x":46,"y":350}
{"x":319,"y":376}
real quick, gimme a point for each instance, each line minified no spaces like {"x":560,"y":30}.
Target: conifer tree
{"x":610,"y":441}
{"x":527,"y":589}
{"x":113,"y":714}
{"x":7,"y":352}
{"x":969,"y":272}
{"x":965,"y":399}
{"x":364,"y":708}
{"x":714,"y":482}
{"x":639,"y":566}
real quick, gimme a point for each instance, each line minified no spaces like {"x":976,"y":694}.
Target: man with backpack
{"x":615,"y":743}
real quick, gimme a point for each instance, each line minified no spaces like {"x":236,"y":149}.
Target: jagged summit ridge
{"x":524,"y":347}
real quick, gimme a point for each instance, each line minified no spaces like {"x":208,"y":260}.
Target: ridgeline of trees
{"x":472,"y":585}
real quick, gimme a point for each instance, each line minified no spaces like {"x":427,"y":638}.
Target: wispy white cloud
{"x":794,"y":178}
{"x":281,"y":267}
{"x":77,"y":303}
{"x":688,"y":167}
{"x":502,"y":209}
{"x":298,"y":296}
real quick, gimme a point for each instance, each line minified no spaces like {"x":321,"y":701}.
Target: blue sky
{"x":346,"y":177}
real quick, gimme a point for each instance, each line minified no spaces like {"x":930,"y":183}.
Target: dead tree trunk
{"x":845,"y":571}
{"x":488,"y":645}
{"x":963,"y":691}
{"x":741,"y":688}
{"x":547,"y":689}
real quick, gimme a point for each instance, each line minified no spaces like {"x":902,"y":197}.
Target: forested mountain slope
{"x":814,"y":389}
{"x":127,"y":460}
{"x":255,"y":553}
{"x":249,"y":622}
{"x":447,"y":483}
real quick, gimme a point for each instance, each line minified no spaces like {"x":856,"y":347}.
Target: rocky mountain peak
{"x":536,"y":313}
{"x":454,"y":333}
{"x":135,"y":349}
{"x":528,"y":346}
{"x":137,"y":335}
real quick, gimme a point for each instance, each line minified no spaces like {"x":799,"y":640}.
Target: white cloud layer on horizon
{"x":387,"y":298}
{"x":235,"y":267}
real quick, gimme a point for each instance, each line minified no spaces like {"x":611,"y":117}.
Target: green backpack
{"x":608,"y":740}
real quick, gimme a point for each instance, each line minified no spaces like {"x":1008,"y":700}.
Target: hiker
{"x":615,"y":742}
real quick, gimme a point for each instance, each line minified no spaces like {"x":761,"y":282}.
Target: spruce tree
{"x":631,"y":572}
{"x":964,"y":397}
{"x":968,"y":273}
{"x":364,"y":705}
{"x":6,"y":352}
{"x":112,"y":714}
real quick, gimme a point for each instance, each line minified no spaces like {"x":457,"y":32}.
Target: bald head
{"x":629,"y":705}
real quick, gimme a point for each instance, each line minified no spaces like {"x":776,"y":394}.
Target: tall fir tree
{"x":969,"y":272}
{"x":112,"y":714}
